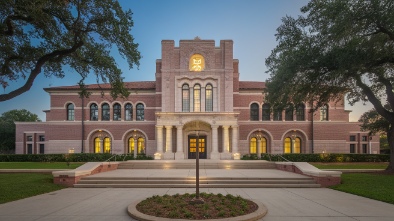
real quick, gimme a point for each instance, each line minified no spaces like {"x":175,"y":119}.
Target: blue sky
{"x":251,"y":24}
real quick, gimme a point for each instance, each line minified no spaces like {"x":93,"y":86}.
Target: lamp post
{"x":197,"y":199}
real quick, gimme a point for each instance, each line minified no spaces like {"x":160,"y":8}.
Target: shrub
{"x":321,"y":157}
{"x":75,"y":157}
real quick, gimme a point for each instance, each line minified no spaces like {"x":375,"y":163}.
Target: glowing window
{"x":141,"y":145}
{"x":197,"y":63}
{"x":297,"y":145}
{"x":107,"y":145}
{"x":197,"y":98}
{"x":97,"y":145}
{"x":208,"y":98}
{"x":253,"y":145}
{"x":263,"y":145}
{"x":131,"y":145}
{"x":287,"y":145}
{"x":185,"y":98}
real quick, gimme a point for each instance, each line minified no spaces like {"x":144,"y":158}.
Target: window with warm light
{"x":107,"y":145}
{"x":253,"y":145}
{"x":197,"y":63}
{"x":97,"y":145}
{"x":208,"y":98}
{"x":141,"y":145}
{"x":185,"y":98}
{"x":131,"y":145}
{"x":197,"y":98}
{"x":287,"y":145}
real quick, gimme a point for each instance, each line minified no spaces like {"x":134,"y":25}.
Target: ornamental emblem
{"x":197,"y":63}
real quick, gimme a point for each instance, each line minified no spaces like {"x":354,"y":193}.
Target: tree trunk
{"x":390,"y":139}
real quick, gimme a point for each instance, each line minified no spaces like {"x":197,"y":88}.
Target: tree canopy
{"x":47,"y":35}
{"x":374,"y":122}
{"x":335,"y":48}
{"x":7,"y":127}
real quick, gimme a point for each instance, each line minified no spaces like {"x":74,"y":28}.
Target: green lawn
{"x":22,"y":185}
{"x":38,"y":165}
{"x":373,"y":186}
{"x":360,"y":165}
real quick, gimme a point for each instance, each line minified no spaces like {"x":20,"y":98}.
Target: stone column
{"x":258,"y":147}
{"x":168,"y":155}
{"x":159,"y":141}
{"x":179,"y":155}
{"x":215,"y":152}
{"x":226,"y":144}
{"x":235,"y":153}
{"x":135,"y":146}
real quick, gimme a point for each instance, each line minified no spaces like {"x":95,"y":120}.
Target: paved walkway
{"x":283,"y":204}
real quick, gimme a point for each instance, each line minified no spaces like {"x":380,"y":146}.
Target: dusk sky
{"x":251,"y":24}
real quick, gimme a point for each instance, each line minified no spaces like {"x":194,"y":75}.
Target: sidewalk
{"x":110,"y":204}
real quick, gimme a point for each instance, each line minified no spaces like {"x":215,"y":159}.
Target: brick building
{"x":197,"y":99}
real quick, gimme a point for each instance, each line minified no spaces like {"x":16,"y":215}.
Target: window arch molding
{"x":297,"y":134}
{"x":117,"y":111}
{"x":324,"y":112}
{"x":93,"y":111}
{"x":264,"y":134}
{"x":254,"y":111}
{"x":101,"y":134}
{"x":128,"y":109}
{"x":140,"y":111}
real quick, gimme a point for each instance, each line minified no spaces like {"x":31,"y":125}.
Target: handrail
{"x":279,"y":155}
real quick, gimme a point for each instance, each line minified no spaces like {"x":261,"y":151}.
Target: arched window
{"x":266,"y":112}
{"x":324,"y":113}
{"x":141,"y":145}
{"x":128,"y":111}
{"x":93,"y":112}
{"x":70,"y":112}
{"x":107,"y":145}
{"x":254,"y":112}
{"x":140,"y":112}
{"x":208,"y":98}
{"x":185,"y":98}
{"x":197,"y":98}
{"x":117,"y":112}
{"x":297,"y":145}
{"x":278,"y":114}
{"x":131,"y":145}
{"x":253,"y":145}
{"x":300,"y":112}
{"x":292,"y":146}
{"x":105,"y":112}
{"x":97,"y":145}
{"x":263,"y":145}
{"x":287,"y":145}
{"x":289,"y":113}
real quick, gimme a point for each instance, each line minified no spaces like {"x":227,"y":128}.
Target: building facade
{"x":196,"y":100}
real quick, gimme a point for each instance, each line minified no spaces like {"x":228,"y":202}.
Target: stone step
{"x":190,"y":164}
{"x":193,"y":179}
{"x":244,"y":185}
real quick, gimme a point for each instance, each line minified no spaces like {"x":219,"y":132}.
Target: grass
{"x":180,"y":206}
{"x":378,"y":186}
{"x":21,"y":185}
{"x":39,"y":165}
{"x":358,"y":165}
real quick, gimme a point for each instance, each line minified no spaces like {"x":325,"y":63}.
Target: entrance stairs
{"x":182,"y":174}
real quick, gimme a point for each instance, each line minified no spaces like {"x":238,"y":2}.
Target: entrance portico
{"x":176,"y":133}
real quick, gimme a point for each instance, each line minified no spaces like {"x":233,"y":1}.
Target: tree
{"x":47,"y":35}
{"x":7,"y":127}
{"x":337,"y":47}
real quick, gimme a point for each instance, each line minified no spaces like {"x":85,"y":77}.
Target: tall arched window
{"x":140,"y":112}
{"x":105,"y":112}
{"x":117,"y":112}
{"x":208,"y":98}
{"x":254,"y":112}
{"x":324,"y":113}
{"x":266,"y":112}
{"x":287,"y":145}
{"x":253,"y":145}
{"x":289,"y":113}
{"x":131,"y":145}
{"x":70,"y":112}
{"x":93,"y":112}
{"x":263,"y":145}
{"x":128,"y":112}
{"x":300,"y":112}
{"x":185,"y":98}
{"x":197,"y":98}
{"x":107,"y":145}
{"x":141,"y":145}
{"x":278,"y":114}
{"x":297,"y":145}
{"x":97,"y":145}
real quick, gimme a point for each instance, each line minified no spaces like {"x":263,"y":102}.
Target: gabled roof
{"x":138,"y":85}
{"x":251,"y":85}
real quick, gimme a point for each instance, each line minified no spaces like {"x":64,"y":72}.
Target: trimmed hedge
{"x":75,"y":157}
{"x":321,"y":157}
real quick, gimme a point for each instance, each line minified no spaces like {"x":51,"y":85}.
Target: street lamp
{"x":197,"y":199}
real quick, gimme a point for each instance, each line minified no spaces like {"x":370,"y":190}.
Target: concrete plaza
{"x":296,"y":204}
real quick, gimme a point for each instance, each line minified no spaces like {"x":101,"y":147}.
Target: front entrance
{"x":192,"y":140}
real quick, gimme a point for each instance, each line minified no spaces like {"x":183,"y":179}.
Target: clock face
{"x":196,"y":63}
